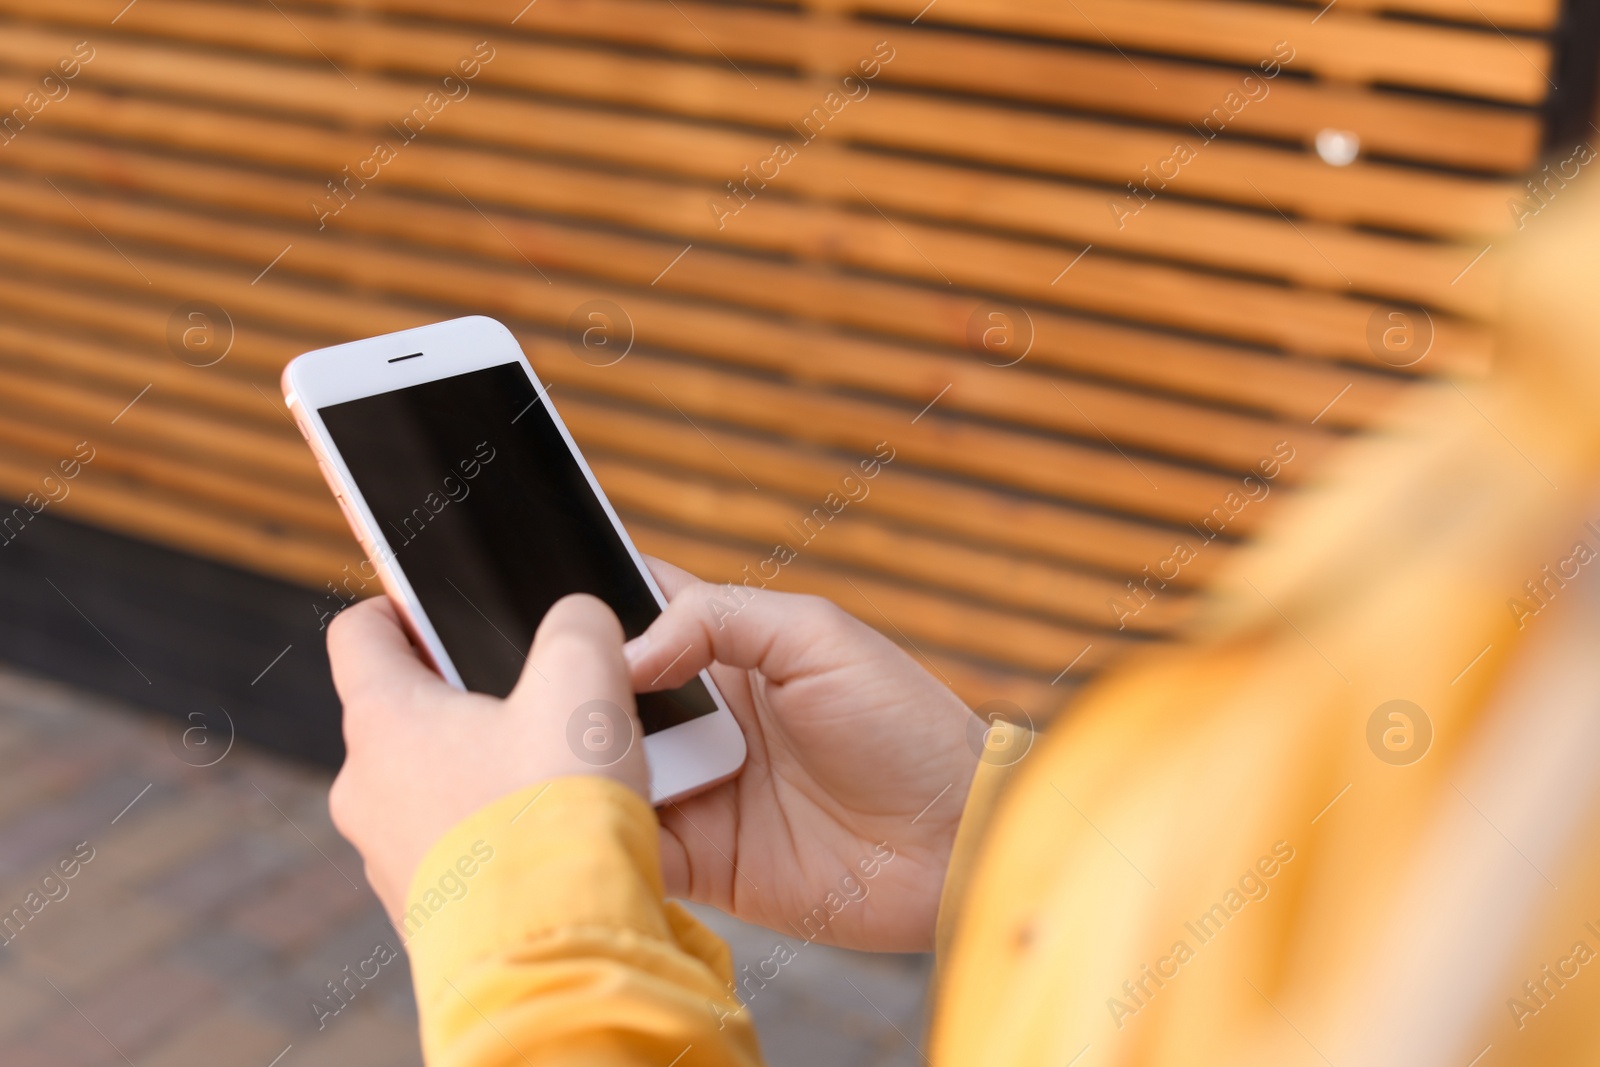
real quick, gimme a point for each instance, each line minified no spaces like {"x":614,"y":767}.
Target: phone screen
{"x":492,"y":520}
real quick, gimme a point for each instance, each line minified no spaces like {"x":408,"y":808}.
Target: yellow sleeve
{"x":538,"y":933}
{"x":1004,"y":748}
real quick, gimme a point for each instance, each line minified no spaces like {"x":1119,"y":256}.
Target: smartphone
{"x":477,"y":511}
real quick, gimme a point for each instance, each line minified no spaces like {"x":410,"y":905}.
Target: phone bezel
{"x":683,"y":759}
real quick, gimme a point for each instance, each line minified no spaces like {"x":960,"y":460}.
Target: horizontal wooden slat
{"x":1002,"y":392}
{"x":1013,"y":393}
{"x":73,"y":360}
{"x":1026,"y":462}
{"x":137,"y":504}
{"x":137,"y":508}
{"x":247,"y":452}
{"x":1171,"y":350}
{"x":972,"y":514}
{"x":119,"y":478}
{"x":765,"y":521}
{"x":758,"y":518}
{"x":1386,"y":123}
{"x":1025,"y":643}
{"x":1179,"y":366}
{"x":1346,"y":46}
{"x":1359,"y":48}
{"x":1510,"y":14}
{"x":1082,"y":79}
{"x":1315,"y":324}
{"x":303,"y":512}
{"x":1530,"y":15}
{"x":1252,"y":175}
{"x":1148,"y":488}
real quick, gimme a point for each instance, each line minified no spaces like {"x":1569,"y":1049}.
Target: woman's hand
{"x":854,"y":750}
{"x":422,"y":755}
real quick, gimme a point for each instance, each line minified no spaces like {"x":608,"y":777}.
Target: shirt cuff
{"x":571,"y":853}
{"x":995,"y":769}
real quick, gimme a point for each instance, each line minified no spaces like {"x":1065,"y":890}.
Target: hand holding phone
{"x":841,"y":827}
{"x":840,"y":830}
{"x":478,"y":513}
{"x":424,"y":755}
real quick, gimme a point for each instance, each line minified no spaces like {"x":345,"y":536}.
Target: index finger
{"x":670,"y":577}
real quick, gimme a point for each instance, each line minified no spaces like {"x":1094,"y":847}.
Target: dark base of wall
{"x":169,"y":632}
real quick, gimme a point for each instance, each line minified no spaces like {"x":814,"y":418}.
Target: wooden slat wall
{"x":1171,"y":350}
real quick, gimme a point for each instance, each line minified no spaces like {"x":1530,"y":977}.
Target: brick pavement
{"x":219,"y":901}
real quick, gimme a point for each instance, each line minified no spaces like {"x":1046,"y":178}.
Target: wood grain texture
{"x":1008,"y":170}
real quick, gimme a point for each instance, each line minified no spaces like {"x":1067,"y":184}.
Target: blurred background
{"x":1101,"y":276}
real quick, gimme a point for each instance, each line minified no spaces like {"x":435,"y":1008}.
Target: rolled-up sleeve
{"x":538,"y":934}
{"x":1010,"y":742}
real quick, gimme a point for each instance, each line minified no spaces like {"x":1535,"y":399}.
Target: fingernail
{"x":635,"y":650}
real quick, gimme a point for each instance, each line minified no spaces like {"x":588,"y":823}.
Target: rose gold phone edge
{"x":684,"y":759}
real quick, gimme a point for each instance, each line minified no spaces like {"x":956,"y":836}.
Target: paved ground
{"x":208,"y":907}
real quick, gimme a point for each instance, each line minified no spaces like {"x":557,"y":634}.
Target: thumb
{"x":576,"y":681}
{"x":371,"y":657}
{"x":783,"y":635}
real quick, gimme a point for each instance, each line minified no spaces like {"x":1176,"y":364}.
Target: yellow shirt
{"x":1229,"y":851}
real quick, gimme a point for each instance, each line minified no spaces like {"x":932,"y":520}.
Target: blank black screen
{"x":492,"y":521}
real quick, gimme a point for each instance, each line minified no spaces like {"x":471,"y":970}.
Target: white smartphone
{"x":478,"y":513}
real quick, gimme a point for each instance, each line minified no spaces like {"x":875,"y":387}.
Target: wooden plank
{"x":1014,"y":394}
{"x":1028,"y":462}
{"x":974,"y":514}
{"x":737,"y":372}
{"x":1530,"y":15}
{"x":1176,"y":366}
{"x":916,"y":617}
{"x":1386,"y":123}
{"x":971,"y":514}
{"x":49,"y":353}
{"x":754,"y":517}
{"x":758,"y":519}
{"x":1508,"y":14}
{"x":764,"y":522}
{"x":1256,"y":176}
{"x":1050,"y":468}
{"x":148,"y":424}
{"x":1271,"y":315}
{"x":251,"y":500}
{"x":140,"y":510}
{"x":1325,"y":326}
{"x":112,"y":498}
{"x":1352,"y":47}
{"x":137,"y":506}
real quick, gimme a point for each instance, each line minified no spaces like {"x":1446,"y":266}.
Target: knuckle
{"x":340,"y":631}
{"x":701,"y":592}
{"x":369,"y":722}
{"x":340,"y":803}
{"x":341,"y":623}
{"x":822,"y":611}
{"x":354,"y":735}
